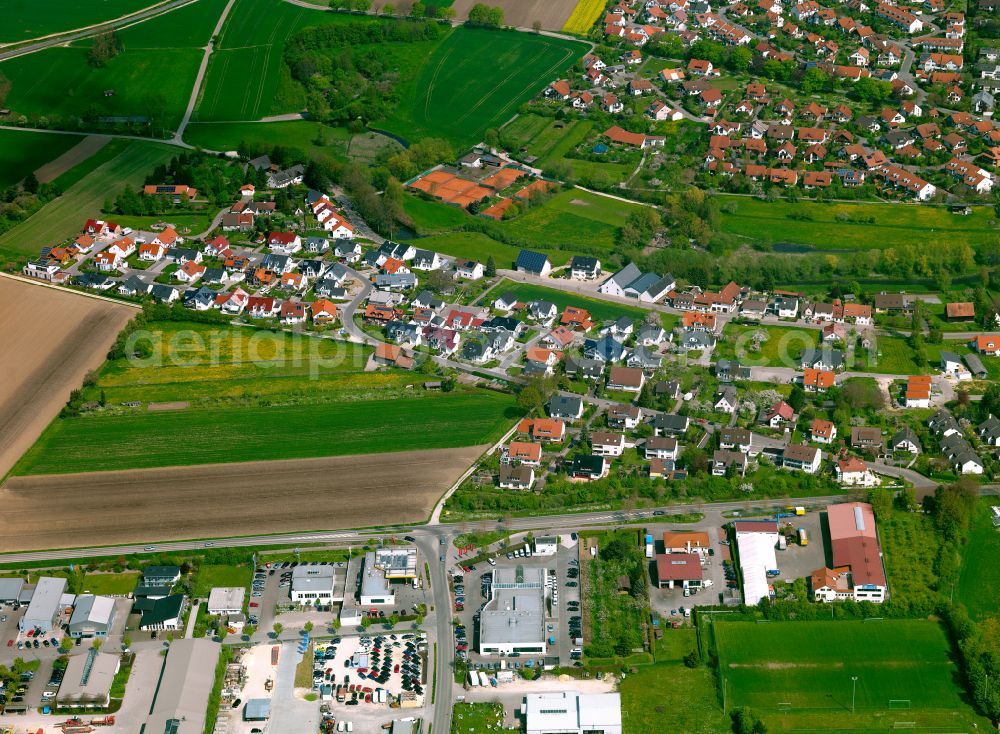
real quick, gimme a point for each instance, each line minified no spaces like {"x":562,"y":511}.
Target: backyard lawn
{"x":782,"y":347}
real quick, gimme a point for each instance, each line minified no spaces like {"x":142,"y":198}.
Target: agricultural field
{"x":600,"y":310}
{"x":190,"y":26}
{"x":584,"y":15}
{"x":979,"y":582}
{"x":901,"y":666}
{"x":27,"y":19}
{"x":228,"y":499}
{"x":291,"y":396}
{"x":63,"y":217}
{"x":446,"y":101}
{"x":51,"y":339}
{"x":524,"y":14}
{"x":58,"y":82}
{"x":782,"y":348}
{"x":22,"y":153}
{"x":819,"y":225}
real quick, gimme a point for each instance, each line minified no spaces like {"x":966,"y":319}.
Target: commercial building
{"x":678,"y":569}
{"x":87,"y":680}
{"x":569,"y":712}
{"x":397,"y":562}
{"x":858,"y":573}
{"x":682,"y":542}
{"x":185,"y":684}
{"x":10,"y":590}
{"x":756,"y":541}
{"x":513,"y":620}
{"x":375,"y":587}
{"x":46,"y":605}
{"x":546,"y":545}
{"x":92,"y":616}
{"x":163,"y":614}
{"x":226,"y":600}
{"x":313,"y":584}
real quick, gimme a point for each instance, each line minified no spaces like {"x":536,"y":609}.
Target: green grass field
{"x":81,"y":169}
{"x":599,"y":310}
{"x":895,"y":357}
{"x":478,"y":246}
{"x":59,"y":82}
{"x":114,"y":584}
{"x":574,"y":219}
{"x":809,"y":665}
{"x":289,"y":395}
{"x":190,"y":26}
{"x":209,"y":576}
{"x":475,"y":718}
{"x":25,"y":19}
{"x":782,"y":348}
{"x":64,"y":217}
{"x":309,"y":137}
{"x":475,"y":79}
{"x":22,"y":152}
{"x":979,"y":582}
{"x":895,"y":224}
{"x":244,"y":79}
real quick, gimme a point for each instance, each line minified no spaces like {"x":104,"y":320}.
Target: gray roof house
{"x":568,"y":407}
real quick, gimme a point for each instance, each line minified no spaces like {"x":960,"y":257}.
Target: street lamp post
{"x":854,"y":690}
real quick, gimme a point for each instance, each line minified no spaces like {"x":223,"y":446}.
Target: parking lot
{"x":353,"y":670}
{"x":471,"y":590}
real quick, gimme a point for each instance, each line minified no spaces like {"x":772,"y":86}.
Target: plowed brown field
{"x":552,"y":14}
{"x":50,"y":339}
{"x":218,"y":500}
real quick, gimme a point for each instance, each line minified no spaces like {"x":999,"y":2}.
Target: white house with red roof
{"x":284,"y":243}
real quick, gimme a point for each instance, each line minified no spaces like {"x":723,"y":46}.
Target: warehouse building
{"x":857,"y":557}
{"x":10,"y":590}
{"x":87,"y":680}
{"x":92,"y":616}
{"x":756,"y":541}
{"x":185,"y":684}
{"x":513,"y":620}
{"x":569,"y":712}
{"x":47,"y":603}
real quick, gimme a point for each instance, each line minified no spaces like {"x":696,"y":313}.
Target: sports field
{"x":776,"y":666}
{"x":289,"y":396}
{"x":830,"y":225}
{"x":476,"y":79}
{"x":63,"y":217}
{"x":584,"y":15}
{"x":25,"y":19}
{"x":22,"y":152}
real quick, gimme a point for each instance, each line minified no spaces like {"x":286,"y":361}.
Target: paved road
{"x":65,"y":38}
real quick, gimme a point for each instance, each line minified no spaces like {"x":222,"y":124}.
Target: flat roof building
{"x":513,"y":620}
{"x":375,"y":587}
{"x":397,"y":562}
{"x":185,"y":684}
{"x":756,"y":541}
{"x":569,"y":712}
{"x":10,"y":590}
{"x":226,"y":600}
{"x":313,"y":584}
{"x":87,"y":680}
{"x":46,"y":605}
{"x":92,"y":616}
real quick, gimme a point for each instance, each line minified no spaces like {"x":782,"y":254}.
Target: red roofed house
{"x":823,"y":431}
{"x":779,"y":413}
{"x":323,"y":312}
{"x":987,"y":345}
{"x":855,"y":546}
{"x":525,"y":452}
{"x":678,"y":569}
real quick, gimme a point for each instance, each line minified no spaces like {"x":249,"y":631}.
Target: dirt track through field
{"x":218,"y":500}
{"x":552,"y":14}
{"x":50,"y":339}
{"x":75,"y":155}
